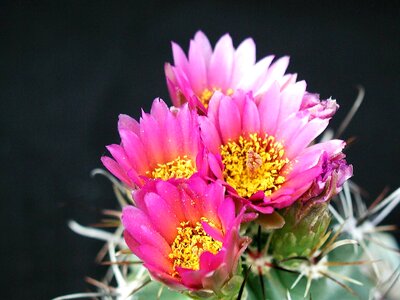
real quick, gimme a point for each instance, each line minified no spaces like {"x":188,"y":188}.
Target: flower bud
{"x":305,"y":225}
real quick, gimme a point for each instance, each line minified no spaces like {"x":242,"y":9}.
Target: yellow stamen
{"x":253,"y":164}
{"x":177,"y":168}
{"x":190,"y":243}
{"x":206,"y":95}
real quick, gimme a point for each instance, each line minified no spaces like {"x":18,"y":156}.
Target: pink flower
{"x":264,"y":148}
{"x":196,"y":77}
{"x":186,"y":232}
{"x":164,"y":144}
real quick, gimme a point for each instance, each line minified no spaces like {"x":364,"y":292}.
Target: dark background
{"x":69,"y":68}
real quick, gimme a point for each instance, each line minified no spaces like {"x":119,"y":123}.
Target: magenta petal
{"x":213,"y":232}
{"x":134,"y":150}
{"x":230,"y":127}
{"x":154,"y":145}
{"x":213,"y":107}
{"x":209,"y":134}
{"x":159,"y":110}
{"x":214,"y":196}
{"x":191,"y":278}
{"x":140,"y":227}
{"x":130,"y":241}
{"x":116,"y":169}
{"x":119,"y":155}
{"x":215,"y":165}
{"x":192,"y":206}
{"x":154,"y":259}
{"x":160,"y":210}
{"x":173,"y":142}
{"x":171,"y":196}
{"x":251,"y":118}
{"x":226,"y":212}
{"x":210,"y":262}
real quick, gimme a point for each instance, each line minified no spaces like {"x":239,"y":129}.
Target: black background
{"x":68,"y":68}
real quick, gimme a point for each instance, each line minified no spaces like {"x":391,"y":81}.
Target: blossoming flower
{"x":164,"y":144}
{"x":186,"y":232}
{"x":264,"y":146}
{"x":196,"y":77}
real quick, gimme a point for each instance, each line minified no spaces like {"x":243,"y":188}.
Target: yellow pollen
{"x":253,"y":164}
{"x":190,"y":243}
{"x":206,"y":95}
{"x":177,"y":168}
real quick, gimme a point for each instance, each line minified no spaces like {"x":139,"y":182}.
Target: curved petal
{"x":220,"y":68}
{"x":230,"y":128}
{"x":244,"y":59}
{"x":251,"y":118}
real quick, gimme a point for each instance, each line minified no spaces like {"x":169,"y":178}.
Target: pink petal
{"x":134,"y":150}
{"x":128,"y":123}
{"x":250,"y":118}
{"x":269,"y":109}
{"x":213,"y":232}
{"x":209,"y":134}
{"x":203,"y":45}
{"x":226,"y":212}
{"x":229,"y":120}
{"x":160,"y":210}
{"x":130,"y":241}
{"x":197,"y":69}
{"x":180,"y":60}
{"x":290,"y":128}
{"x":154,"y":259}
{"x":256,"y":75}
{"x":171,"y":196}
{"x":171,"y":83}
{"x":220,"y":68}
{"x":142,"y":230}
{"x":291,"y":100}
{"x":192,"y":206}
{"x":119,"y":155}
{"x":276,"y":70}
{"x":159,"y":110}
{"x":152,"y":137}
{"x":213,"y":198}
{"x":116,"y":170}
{"x":244,"y":59}
{"x":308,"y":133}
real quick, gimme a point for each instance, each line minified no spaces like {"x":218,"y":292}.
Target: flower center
{"x":177,"y":168}
{"x":206,"y":95}
{"x":190,"y":243}
{"x":253,"y":164}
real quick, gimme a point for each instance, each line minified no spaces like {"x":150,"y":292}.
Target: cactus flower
{"x":196,"y":77}
{"x":264,"y":147}
{"x":163,"y":144}
{"x":186,"y":232}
